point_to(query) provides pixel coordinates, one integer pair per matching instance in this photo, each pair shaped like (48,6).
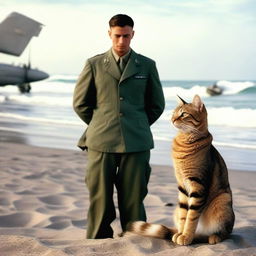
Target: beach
(44,203)
(193,48)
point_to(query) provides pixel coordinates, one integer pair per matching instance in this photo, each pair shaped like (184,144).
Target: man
(118,95)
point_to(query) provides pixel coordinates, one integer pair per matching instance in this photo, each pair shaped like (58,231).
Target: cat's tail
(152,230)
(160,231)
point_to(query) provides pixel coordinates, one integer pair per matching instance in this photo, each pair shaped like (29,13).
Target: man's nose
(121,39)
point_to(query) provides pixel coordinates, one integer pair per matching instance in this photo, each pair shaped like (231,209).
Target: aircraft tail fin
(16,31)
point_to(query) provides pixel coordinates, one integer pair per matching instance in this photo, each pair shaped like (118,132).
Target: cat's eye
(183,114)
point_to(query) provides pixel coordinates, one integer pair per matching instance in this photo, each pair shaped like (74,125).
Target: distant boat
(214,90)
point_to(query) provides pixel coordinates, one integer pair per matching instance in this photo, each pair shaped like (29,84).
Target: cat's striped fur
(204,212)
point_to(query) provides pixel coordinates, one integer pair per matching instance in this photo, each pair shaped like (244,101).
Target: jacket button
(121,98)
(121,114)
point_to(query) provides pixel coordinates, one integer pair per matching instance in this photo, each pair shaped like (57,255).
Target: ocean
(45,117)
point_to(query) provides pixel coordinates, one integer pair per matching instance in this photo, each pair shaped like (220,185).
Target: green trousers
(130,173)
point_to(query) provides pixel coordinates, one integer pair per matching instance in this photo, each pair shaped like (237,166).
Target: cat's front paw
(184,240)
(214,239)
(175,236)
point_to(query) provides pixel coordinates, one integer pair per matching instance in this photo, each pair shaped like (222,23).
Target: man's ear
(133,32)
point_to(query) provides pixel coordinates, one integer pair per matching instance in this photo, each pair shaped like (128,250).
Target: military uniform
(118,109)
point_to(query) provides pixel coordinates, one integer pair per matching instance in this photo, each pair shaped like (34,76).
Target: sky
(189,40)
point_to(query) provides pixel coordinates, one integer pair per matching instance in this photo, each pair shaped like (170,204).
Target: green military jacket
(118,108)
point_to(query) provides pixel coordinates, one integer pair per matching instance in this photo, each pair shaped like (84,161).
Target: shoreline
(159,156)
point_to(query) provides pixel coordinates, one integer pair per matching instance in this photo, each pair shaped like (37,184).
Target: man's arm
(155,101)
(84,98)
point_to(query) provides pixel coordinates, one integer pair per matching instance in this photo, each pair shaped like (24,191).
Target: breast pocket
(139,84)
(134,89)
(140,79)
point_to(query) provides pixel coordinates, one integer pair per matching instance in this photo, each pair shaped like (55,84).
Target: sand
(44,202)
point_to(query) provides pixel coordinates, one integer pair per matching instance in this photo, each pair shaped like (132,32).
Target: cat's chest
(187,147)
(186,173)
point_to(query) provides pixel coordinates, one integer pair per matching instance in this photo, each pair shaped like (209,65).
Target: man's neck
(117,56)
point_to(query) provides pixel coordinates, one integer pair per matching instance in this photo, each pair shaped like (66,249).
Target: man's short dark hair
(121,20)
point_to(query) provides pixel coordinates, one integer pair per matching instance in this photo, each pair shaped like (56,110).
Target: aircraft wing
(16,31)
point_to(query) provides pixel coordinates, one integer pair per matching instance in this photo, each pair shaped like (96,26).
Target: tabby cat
(204,212)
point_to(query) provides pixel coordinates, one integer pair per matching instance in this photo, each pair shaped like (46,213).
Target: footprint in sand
(57,200)
(21,219)
(5,201)
(26,204)
(59,225)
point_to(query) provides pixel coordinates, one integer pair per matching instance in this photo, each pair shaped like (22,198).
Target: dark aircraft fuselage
(15,75)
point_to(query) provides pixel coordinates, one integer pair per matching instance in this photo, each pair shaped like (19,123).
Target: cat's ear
(181,101)
(198,103)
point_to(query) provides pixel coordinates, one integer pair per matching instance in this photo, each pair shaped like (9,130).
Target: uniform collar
(111,67)
(124,57)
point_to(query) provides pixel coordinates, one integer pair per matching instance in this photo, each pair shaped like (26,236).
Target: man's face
(121,38)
